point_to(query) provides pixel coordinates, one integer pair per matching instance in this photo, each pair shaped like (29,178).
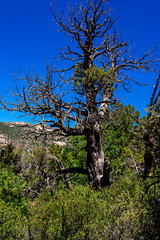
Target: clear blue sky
(28,38)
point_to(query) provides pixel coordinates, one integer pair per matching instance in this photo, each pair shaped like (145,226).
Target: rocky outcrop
(18,133)
(3,140)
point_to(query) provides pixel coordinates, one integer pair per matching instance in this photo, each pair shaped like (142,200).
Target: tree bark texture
(95,155)
(88,25)
(149,159)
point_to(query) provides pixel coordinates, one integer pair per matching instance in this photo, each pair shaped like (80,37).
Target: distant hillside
(12,132)
(18,132)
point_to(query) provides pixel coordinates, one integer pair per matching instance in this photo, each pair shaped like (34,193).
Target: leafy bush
(13,207)
(112,213)
(10,158)
(122,211)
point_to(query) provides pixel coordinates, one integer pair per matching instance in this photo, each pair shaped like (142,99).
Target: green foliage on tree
(10,158)
(151,132)
(34,202)
(72,154)
(102,60)
(98,76)
(121,140)
(128,209)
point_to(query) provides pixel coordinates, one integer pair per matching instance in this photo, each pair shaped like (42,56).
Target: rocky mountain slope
(18,133)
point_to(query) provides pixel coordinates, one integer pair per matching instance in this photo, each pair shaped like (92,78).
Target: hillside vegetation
(10,132)
(21,133)
(35,202)
(90,168)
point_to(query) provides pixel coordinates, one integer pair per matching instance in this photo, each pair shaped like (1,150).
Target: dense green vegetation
(11,133)
(32,208)
(103,180)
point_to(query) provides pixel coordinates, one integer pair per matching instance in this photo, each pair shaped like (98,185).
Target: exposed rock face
(18,133)
(13,124)
(3,140)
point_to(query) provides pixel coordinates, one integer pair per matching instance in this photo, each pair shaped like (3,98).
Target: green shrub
(112,213)
(122,211)
(13,207)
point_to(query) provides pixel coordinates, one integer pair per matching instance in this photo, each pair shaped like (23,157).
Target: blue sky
(28,38)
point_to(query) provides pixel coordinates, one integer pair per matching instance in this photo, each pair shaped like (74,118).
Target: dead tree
(151,132)
(77,105)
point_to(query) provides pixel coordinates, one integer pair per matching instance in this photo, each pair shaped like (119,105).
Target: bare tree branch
(76,105)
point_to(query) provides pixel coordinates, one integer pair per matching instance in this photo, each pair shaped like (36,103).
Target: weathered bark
(98,171)
(151,136)
(149,158)
(89,26)
(95,156)
(106,172)
(149,161)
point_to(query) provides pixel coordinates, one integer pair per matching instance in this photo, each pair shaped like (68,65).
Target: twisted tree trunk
(149,158)
(98,169)
(95,155)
